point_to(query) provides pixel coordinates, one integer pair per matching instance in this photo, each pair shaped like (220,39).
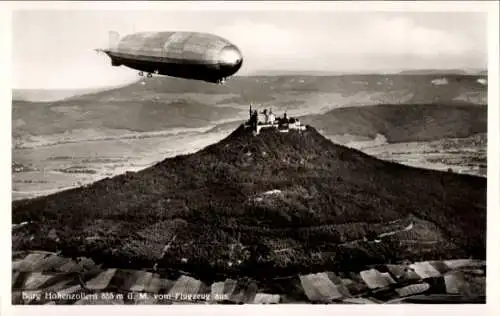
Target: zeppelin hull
(179,54)
(189,69)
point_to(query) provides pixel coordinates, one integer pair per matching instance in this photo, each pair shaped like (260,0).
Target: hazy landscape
(407,118)
(174,200)
(367,184)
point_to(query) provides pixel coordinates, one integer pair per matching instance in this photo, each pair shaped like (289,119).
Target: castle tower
(271,117)
(262,117)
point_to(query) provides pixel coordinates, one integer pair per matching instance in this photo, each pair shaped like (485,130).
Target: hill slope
(404,123)
(268,204)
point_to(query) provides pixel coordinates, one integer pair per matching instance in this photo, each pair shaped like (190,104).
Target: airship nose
(230,57)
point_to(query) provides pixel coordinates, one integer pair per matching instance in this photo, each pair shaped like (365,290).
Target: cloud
(268,38)
(266,45)
(375,36)
(397,36)
(364,42)
(79,72)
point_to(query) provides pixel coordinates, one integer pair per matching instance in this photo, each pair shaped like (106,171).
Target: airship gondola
(190,55)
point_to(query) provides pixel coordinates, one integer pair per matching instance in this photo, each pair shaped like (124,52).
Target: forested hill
(274,202)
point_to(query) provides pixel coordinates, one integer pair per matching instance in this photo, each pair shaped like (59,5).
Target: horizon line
(308,73)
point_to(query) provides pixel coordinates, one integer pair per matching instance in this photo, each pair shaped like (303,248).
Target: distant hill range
(319,73)
(49,95)
(457,107)
(52,95)
(262,206)
(472,71)
(468,71)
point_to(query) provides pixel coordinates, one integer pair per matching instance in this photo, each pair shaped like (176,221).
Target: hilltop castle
(267,119)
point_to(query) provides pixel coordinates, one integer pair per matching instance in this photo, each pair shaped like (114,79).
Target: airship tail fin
(114,38)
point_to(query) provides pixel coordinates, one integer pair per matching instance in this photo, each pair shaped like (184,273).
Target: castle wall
(296,126)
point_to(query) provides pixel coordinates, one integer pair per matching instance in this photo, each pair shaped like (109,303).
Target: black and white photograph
(234,157)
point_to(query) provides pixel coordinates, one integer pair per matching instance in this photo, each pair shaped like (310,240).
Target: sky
(54,49)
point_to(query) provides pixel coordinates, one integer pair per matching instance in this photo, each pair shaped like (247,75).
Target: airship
(189,55)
